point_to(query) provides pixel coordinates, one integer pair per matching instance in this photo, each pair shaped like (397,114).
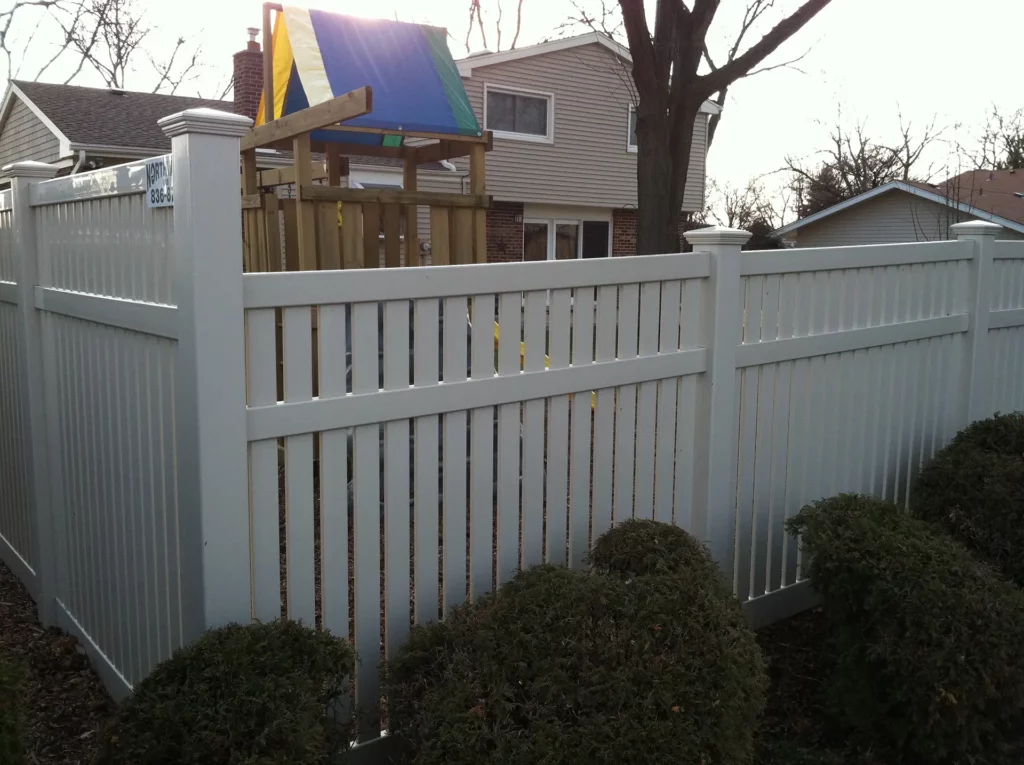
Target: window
(631,130)
(554,239)
(512,114)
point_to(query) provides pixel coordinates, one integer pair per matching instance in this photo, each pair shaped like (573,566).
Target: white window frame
(630,147)
(577,222)
(549,138)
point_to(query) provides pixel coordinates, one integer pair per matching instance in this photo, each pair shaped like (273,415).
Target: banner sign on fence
(160,182)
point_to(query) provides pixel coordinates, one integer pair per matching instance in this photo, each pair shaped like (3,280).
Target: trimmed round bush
(638,547)
(12,722)
(250,694)
(561,667)
(974,488)
(928,638)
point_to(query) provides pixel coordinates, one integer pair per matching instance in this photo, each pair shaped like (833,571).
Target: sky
(931,60)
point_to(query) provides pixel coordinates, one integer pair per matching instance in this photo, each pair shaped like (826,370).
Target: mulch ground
(63,701)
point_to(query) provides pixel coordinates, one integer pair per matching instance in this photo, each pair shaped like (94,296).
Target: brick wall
(504,234)
(624,231)
(248,80)
(624,223)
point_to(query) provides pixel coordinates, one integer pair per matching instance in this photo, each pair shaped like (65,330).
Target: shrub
(927,638)
(11,721)
(249,694)
(639,547)
(561,667)
(973,488)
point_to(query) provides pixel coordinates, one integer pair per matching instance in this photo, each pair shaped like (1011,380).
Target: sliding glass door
(558,239)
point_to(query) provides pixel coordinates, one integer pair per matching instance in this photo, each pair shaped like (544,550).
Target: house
(562,171)
(908,211)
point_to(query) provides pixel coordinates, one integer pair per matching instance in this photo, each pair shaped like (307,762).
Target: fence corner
(714,495)
(210,371)
(982,234)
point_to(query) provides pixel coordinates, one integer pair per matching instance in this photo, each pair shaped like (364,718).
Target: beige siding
(588,163)
(892,217)
(24,137)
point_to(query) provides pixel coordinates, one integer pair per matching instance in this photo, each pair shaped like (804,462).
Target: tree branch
(741,65)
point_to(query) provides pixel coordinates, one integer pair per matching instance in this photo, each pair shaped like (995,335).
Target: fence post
(30,352)
(213,495)
(974,386)
(714,492)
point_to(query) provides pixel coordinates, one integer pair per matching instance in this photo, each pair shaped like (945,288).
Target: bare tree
(476,17)
(751,208)
(753,13)
(110,36)
(1001,146)
(665,70)
(854,163)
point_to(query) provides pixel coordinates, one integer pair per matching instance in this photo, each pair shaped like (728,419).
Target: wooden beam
(412,235)
(478,186)
(280,176)
(306,209)
(335,165)
(448,149)
(440,236)
(371,235)
(483,138)
(344,107)
(252,201)
(394,196)
(268,64)
(392,236)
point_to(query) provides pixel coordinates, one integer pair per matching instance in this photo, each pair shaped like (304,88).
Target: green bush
(975,489)
(11,720)
(561,667)
(249,694)
(928,639)
(638,548)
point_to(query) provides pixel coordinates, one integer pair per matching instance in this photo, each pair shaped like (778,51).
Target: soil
(64,703)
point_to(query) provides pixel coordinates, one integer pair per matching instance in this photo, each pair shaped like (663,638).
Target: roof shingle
(108,118)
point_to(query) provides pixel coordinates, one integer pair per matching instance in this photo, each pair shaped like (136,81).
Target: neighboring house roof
(124,123)
(98,118)
(983,194)
(486,58)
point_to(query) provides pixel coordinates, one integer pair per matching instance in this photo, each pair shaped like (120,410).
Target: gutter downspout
(79,163)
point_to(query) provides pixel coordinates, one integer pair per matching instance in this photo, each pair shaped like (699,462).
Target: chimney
(248,77)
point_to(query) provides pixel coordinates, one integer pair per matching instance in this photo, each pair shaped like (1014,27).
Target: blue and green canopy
(416,86)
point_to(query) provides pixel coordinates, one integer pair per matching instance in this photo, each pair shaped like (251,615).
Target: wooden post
(478,185)
(249,217)
(306,209)
(268,64)
(412,238)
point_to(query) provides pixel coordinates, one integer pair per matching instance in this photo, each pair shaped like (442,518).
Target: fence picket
(558,432)
(454,470)
(604,412)
(481,505)
(625,406)
(509,364)
(647,402)
(534,327)
(580,441)
(426,506)
(667,393)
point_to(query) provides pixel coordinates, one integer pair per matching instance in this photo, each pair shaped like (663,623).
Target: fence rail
(184,445)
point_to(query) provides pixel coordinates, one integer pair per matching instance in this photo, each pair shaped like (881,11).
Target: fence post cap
(975,228)
(205,121)
(29,169)
(717,235)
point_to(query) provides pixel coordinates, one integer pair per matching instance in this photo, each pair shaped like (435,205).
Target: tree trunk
(660,183)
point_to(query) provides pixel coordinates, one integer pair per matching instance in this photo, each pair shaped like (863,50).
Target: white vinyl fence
(184,445)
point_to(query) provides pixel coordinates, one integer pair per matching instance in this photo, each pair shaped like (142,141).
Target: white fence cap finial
(975,228)
(717,235)
(205,121)
(29,169)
